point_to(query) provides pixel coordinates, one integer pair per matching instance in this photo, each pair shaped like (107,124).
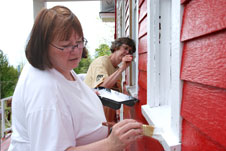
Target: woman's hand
(124,133)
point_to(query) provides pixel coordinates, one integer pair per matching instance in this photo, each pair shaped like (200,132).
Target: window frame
(157,112)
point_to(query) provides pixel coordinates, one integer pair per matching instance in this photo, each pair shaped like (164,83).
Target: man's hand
(126,60)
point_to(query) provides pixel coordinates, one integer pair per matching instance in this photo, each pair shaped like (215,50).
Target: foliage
(85,62)
(102,50)
(8,77)
(83,65)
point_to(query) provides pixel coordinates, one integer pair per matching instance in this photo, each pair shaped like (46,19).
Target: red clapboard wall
(203,71)
(146,143)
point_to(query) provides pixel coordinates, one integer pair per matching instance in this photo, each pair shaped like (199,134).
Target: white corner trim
(159,117)
(132,91)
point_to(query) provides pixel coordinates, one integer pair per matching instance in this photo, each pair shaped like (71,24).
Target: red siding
(184,1)
(204,73)
(198,141)
(208,110)
(142,50)
(143,62)
(143,11)
(143,44)
(143,80)
(141,2)
(142,27)
(204,60)
(203,17)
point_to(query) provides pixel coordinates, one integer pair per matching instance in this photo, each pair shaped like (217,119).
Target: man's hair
(57,23)
(115,45)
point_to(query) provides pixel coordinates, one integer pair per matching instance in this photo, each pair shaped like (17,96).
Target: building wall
(203,71)
(146,143)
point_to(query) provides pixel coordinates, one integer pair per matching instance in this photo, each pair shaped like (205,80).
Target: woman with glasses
(52,109)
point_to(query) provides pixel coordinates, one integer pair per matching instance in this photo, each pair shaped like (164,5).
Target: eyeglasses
(79,45)
(127,48)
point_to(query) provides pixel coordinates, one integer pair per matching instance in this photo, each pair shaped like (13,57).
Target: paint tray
(114,99)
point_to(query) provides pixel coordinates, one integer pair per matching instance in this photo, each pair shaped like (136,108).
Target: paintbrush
(151,131)
(148,130)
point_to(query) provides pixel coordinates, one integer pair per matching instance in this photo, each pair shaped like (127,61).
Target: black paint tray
(114,99)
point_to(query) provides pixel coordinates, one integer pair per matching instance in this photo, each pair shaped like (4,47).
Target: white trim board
(169,141)
(154,112)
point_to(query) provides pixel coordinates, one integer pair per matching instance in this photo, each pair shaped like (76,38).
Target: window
(164,57)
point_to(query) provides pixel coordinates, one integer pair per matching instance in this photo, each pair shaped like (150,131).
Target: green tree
(83,65)
(85,62)
(8,77)
(102,50)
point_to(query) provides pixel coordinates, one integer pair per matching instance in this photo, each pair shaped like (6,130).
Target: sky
(17,20)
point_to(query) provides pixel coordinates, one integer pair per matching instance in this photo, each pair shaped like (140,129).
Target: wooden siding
(198,141)
(143,62)
(204,60)
(142,50)
(142,82)
(203,17)
(142,28)
(203,70)
(142,44)
(184,1)
(204,107)
(143,11)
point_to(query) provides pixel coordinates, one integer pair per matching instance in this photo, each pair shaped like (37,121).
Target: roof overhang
(107,10)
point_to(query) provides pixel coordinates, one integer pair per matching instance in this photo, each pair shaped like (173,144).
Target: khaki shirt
(100,69)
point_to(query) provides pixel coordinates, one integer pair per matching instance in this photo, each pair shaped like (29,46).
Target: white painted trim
(177,47)
(132,91)
(137,46)
(152,111)
(164,52)
(134,36)
(160,118)
(152,48)
(2,111)
(37,6)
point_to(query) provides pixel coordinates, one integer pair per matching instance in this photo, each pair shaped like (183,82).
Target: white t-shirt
(50,113)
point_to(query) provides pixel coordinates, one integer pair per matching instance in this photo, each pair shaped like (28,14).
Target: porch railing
(4,130)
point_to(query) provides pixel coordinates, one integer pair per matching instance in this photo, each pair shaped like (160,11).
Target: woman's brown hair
(50,24)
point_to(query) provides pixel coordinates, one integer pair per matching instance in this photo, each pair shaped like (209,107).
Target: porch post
(37,6)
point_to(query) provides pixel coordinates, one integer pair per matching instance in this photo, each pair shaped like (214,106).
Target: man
(105,72)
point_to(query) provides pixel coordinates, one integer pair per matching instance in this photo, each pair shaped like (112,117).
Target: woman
(52,109)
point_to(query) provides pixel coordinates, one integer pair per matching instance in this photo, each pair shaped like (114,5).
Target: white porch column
(37,6)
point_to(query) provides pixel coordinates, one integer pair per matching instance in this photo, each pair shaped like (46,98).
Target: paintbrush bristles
(148,130)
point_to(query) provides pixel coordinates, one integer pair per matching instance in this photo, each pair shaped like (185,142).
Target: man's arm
(110,81)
